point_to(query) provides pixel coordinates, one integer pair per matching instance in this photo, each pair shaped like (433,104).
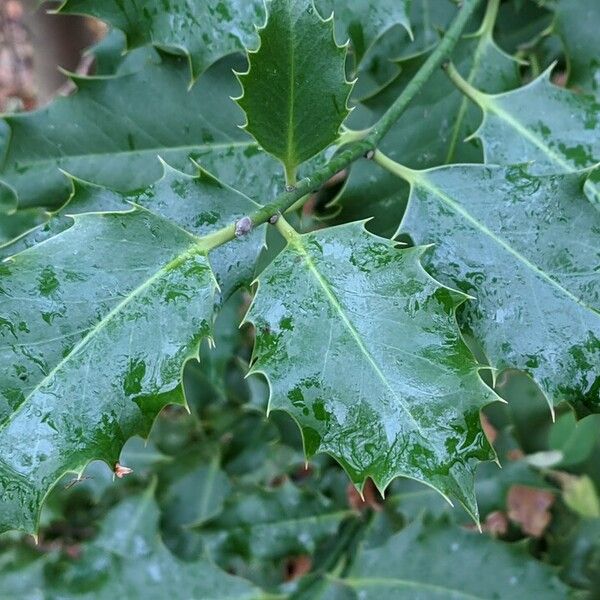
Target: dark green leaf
(365,22)
(101,134)
(126,560)
(199,204)
(397,391)
(204,31)
(18,223)
(198,496)
(295,91)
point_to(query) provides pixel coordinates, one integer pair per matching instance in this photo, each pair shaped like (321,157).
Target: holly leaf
(365,22)
(199,204)
(528,248)
(100,135)
(467,565)
(396,391)
(551,127)
(95,327)
(295,91)
(575,23)
(203,32)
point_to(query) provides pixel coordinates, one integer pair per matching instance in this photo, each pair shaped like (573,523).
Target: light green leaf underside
(95,327)
(467,566)
(528,248)
(112,130)
(127,560)
(199,204)
(364,22)
(295,92)
(577,25)
(555,129)
(431,131)
(396,391)
(202,30)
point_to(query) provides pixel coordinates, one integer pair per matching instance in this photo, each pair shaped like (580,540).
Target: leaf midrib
(324,284)
(422,182)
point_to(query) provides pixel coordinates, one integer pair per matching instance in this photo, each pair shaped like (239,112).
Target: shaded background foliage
(224,488)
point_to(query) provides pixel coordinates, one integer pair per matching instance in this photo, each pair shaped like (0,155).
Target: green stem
(464,86)
(483,36)
(489,20)
(360,148)
(286,230)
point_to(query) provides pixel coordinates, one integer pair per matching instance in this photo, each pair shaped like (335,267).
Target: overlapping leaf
(199,204)
(113,129)
(528,248)
(365,22)
(467,565)
(396,392)
(555,129)
(431,132)
(295,91)
(202,31)
(380,66)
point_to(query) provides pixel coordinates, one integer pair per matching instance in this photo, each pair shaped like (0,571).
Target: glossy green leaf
(364,22)
(203,31)
(198,204)
(295,92)
(528,248)
(101,134)
(397,391)
(577,25)
(431,132)
(555,129)
(435,562)
(95,326)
